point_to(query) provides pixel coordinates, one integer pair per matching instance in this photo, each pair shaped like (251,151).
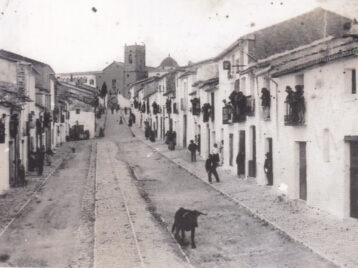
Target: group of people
(296,103)
(36,162)
(115,107)
(170,139)
(149,133)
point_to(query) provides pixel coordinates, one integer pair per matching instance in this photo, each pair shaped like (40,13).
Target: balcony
(232,115)
(295,107)
(195,106)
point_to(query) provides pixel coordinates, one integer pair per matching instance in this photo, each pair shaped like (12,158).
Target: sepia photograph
(179,133)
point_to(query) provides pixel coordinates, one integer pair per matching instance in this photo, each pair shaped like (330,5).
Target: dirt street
(112,203)
(47,231)
(229,236)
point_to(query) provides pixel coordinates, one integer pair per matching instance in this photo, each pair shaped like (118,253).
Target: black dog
(185,220)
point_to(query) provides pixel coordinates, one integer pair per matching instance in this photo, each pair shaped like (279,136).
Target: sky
(87,35)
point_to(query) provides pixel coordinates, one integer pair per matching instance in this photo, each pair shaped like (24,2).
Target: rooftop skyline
(87,35)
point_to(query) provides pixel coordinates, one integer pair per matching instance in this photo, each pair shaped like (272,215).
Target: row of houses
(287,92)
(37,114)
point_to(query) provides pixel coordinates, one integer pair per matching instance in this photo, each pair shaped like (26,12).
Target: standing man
(268,169)
(192,148)
(210,166)
(215,154)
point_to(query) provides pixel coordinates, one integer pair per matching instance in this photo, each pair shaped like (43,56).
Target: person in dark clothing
(266,102)
(210,166)
(192,148)
(40,160)
(174,140)
(268,169)
(117,108)
(21,174)
(112,109)
(147,131)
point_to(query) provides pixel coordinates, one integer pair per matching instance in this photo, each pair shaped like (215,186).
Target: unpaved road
(137,193)
(229,236)
(46,232)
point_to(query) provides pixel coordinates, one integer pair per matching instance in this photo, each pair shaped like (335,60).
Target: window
(78,111)
(114,83)
(130,59)
(91,82)
(351,80)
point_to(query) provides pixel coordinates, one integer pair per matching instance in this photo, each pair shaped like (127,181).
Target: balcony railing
(195,106)
(232,115)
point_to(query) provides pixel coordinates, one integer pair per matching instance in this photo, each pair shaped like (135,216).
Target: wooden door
(354,179)
(242,153)
(303,170)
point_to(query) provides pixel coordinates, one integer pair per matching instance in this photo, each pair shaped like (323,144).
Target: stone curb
(252,212)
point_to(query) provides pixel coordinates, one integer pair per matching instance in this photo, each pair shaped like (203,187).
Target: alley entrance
(242,154)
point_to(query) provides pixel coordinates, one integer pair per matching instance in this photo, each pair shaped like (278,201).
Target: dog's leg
(193,237)
(173,227)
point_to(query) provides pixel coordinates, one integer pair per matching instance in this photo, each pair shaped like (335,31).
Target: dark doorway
(354,179)
(184,130)
(270,156)
(242,154)
(252,162)
(171,124)
(212,106)
(303,170)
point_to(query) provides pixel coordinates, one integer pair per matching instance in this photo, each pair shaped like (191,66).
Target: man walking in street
(210,166)
(192,148)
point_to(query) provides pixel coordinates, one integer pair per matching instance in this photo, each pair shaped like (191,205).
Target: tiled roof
(319,54)
(289,34)
(210,82)
(15,56)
